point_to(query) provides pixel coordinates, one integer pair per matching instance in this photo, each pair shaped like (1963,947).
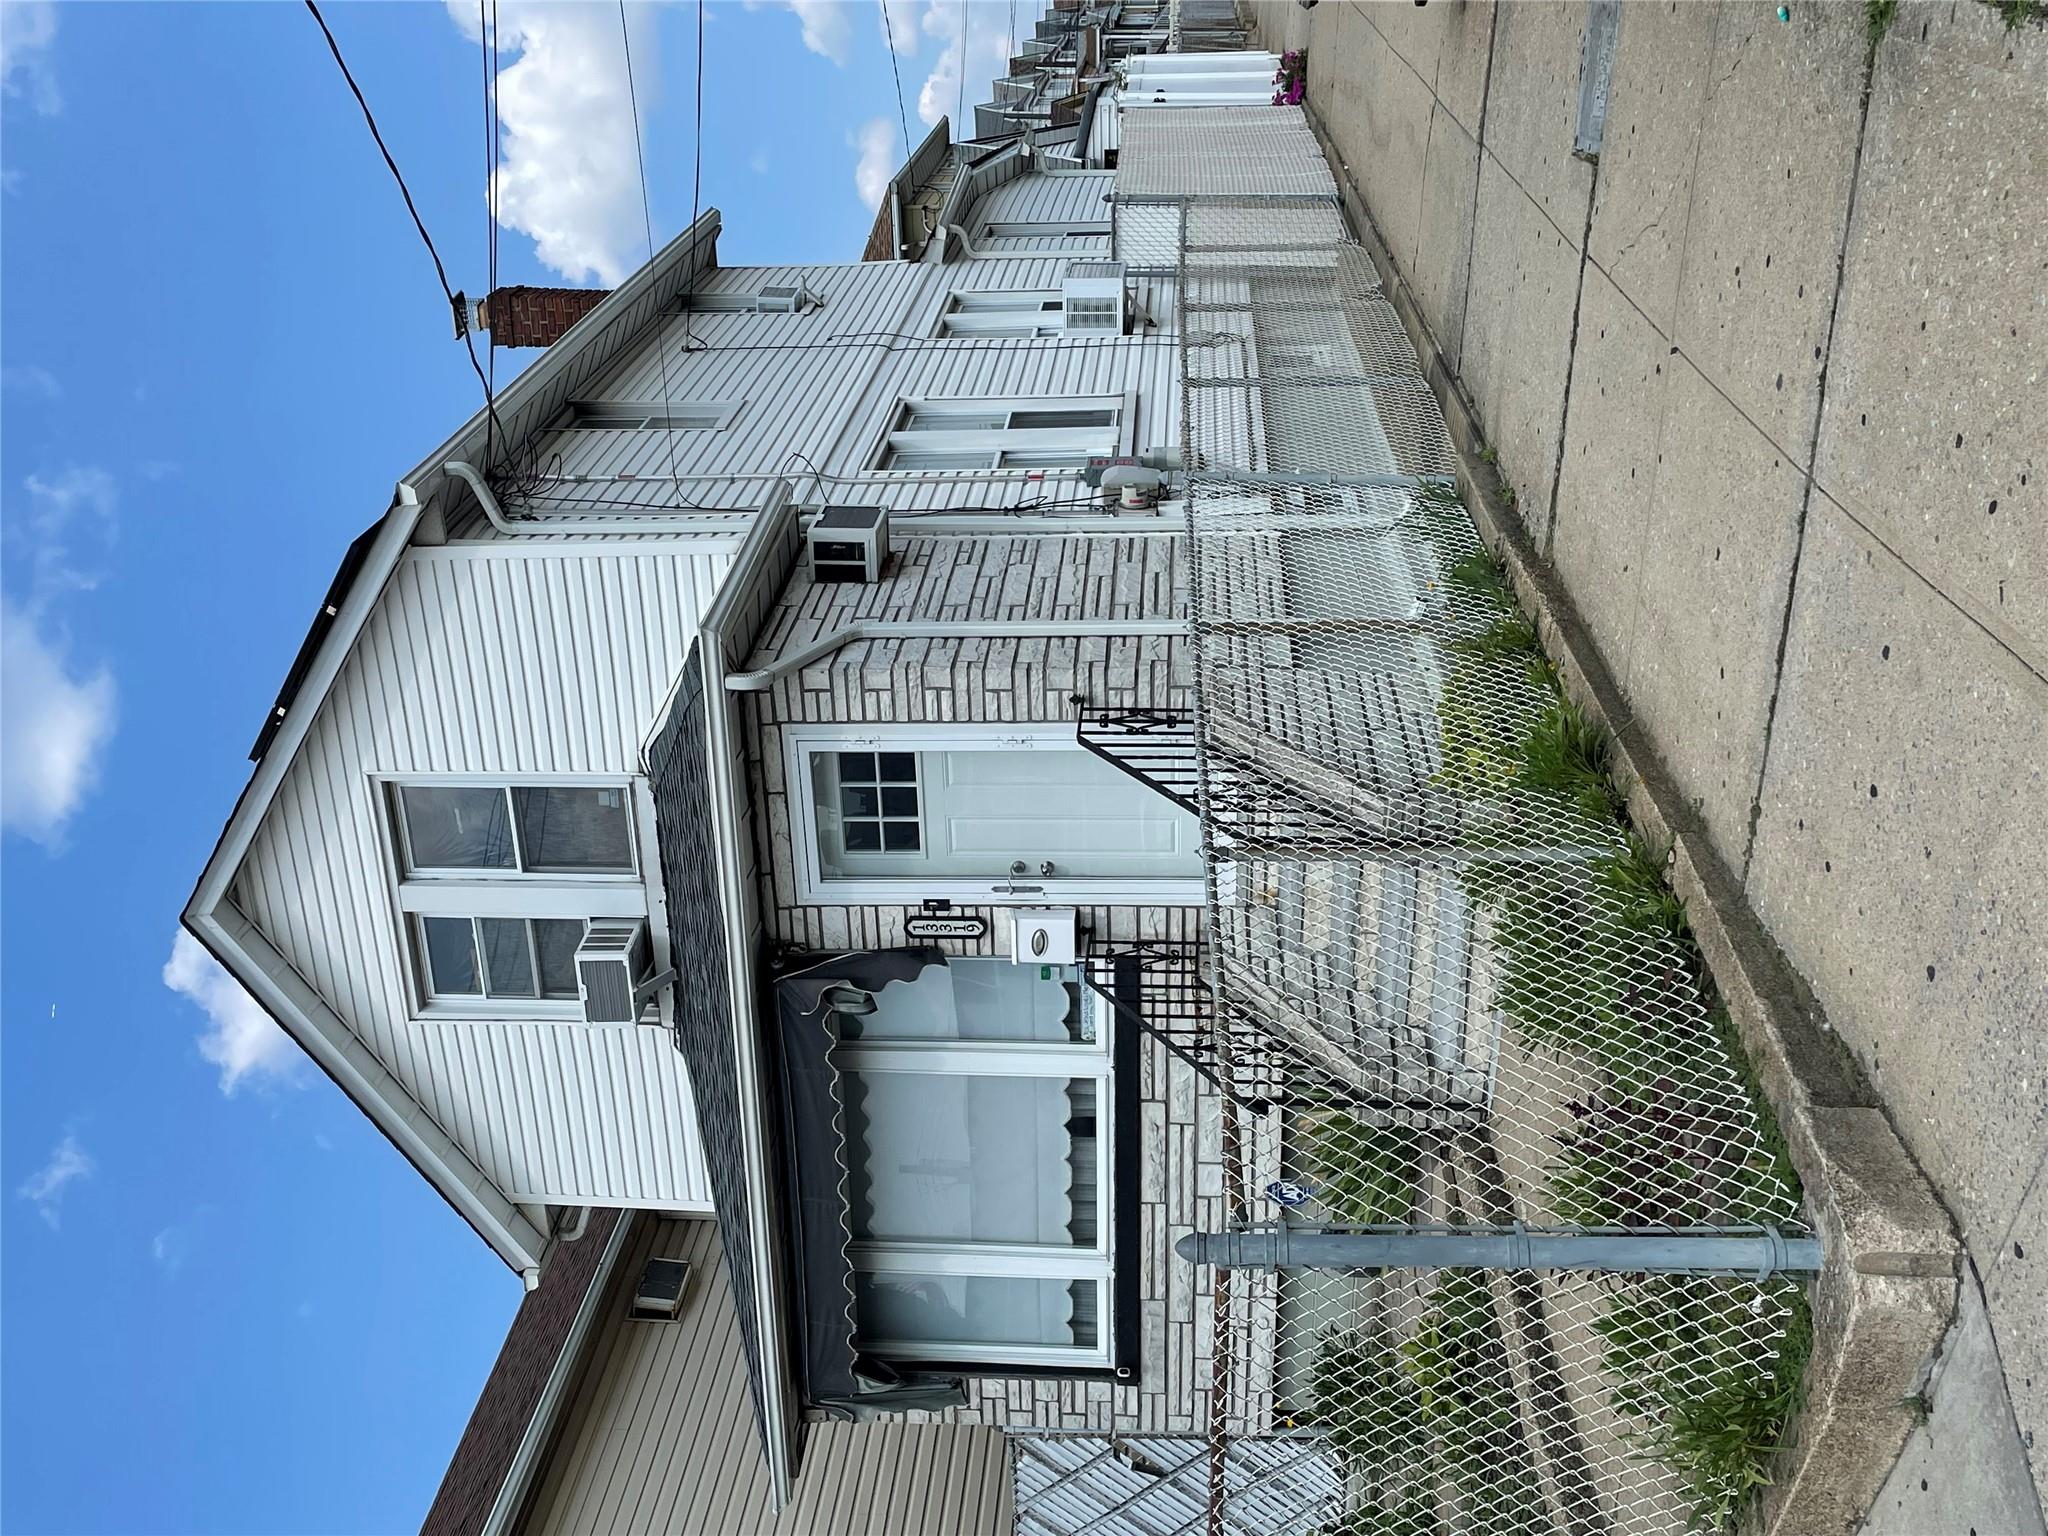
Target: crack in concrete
(1820,402)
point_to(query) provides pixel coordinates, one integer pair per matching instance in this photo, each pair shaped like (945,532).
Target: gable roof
(524,407)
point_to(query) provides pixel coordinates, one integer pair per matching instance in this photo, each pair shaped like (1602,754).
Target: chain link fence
(1451,990)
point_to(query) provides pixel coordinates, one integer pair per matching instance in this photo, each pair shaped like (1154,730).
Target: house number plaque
(946,925)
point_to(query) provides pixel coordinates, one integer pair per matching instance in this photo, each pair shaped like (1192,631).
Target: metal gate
(1452,994)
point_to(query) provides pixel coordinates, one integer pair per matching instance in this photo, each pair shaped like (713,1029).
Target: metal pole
(1758,1251)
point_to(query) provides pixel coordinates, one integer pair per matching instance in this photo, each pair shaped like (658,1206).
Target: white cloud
(27,29)
(239,1038)
(877,145)
(69,1162)
(828,31)
(568,175)
(54,723)
(63,507)
(988,55)
(170,1249)
(32,380)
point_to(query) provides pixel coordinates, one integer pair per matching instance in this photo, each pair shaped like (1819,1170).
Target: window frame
(1091,1059)
(814,888)
(986,447)
(723,411)
(1044,229)
(1037,312)
(510,893)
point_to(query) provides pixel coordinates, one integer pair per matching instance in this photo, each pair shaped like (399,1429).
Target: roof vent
(783,300)
(658,1298)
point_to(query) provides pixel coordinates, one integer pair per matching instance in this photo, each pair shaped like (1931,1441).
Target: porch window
(1055,432)
(977,1109)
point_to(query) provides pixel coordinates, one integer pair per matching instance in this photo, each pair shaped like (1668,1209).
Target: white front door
(977,817)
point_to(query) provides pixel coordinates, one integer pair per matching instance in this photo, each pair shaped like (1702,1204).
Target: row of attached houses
(722,827)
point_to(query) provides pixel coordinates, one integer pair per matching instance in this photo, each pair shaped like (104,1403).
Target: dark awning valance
(810,1003)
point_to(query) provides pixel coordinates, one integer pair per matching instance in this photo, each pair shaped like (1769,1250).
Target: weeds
(1365,1175)
(1634,879)
(1718,1433)
(1878,16)
(1566,752)
(2017,13)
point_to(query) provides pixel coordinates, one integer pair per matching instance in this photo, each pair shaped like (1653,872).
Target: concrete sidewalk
(1770,381)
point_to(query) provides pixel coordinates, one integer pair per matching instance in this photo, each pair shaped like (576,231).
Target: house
(743,787)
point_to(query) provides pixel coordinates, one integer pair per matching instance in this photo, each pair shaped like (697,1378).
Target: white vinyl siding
(502,663)
(1048,433)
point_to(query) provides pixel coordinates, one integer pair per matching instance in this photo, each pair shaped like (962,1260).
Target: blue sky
(228,1304)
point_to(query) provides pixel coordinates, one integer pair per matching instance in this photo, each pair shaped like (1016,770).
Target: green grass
(1365,1175)
(2016,13)
(1878,16)
(1719,1430)
(1632,878)
(1566,753)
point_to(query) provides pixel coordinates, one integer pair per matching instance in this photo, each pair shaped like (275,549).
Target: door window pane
(508,961)
(967,1158)
(556,939)
(450,944)
(450,826)
(574,828)
(976,1309)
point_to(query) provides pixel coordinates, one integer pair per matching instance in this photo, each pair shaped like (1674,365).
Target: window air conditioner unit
(849,544)
(1044,935)
(781,300)
(659,1295)
(1092,296)
(615,971)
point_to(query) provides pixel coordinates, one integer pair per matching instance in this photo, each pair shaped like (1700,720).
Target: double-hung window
(978,1112)
(1003,312)
(1055,432)
(497,882)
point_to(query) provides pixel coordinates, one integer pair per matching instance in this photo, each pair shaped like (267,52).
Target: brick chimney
(533,317)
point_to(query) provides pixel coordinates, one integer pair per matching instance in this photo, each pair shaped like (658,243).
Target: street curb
(1887,1291)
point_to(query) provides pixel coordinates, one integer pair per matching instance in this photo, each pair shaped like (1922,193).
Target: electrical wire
(376,134)
(896,69)
(487,51)
(960,99)
(647,221)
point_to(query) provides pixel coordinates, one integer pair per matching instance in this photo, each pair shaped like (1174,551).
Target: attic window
(658,1298)
(775,298)
(636,416)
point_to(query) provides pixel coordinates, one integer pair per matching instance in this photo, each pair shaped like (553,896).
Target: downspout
(961,629)
(1088,119)
(578,1224)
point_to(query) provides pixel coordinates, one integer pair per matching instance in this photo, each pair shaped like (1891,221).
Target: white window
(1050,433)
(978,1111)
(990,814)
(1003,312)
(649,416)
(496,883)
(1045,229)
